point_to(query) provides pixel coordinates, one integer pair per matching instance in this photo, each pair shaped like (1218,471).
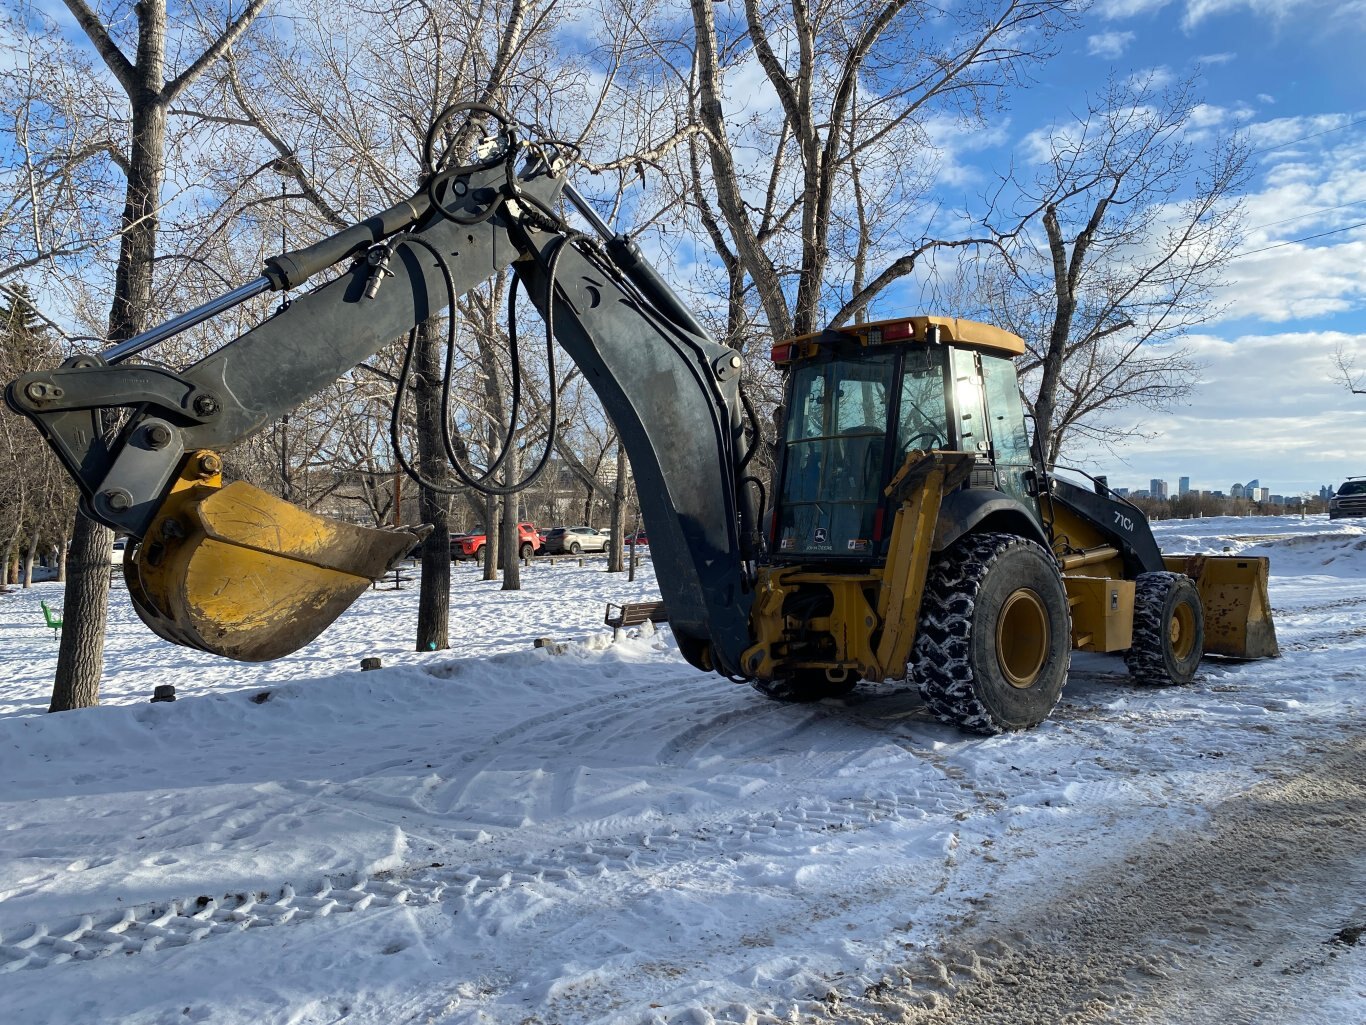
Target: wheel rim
(1022,638)
(1181,631)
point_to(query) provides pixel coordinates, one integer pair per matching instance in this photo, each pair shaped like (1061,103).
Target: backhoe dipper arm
(673,394)
(671,391)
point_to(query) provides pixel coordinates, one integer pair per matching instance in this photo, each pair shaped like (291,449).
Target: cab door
(969,408)
(1005,419)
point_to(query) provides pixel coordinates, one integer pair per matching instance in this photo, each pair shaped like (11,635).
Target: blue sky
(1291,74)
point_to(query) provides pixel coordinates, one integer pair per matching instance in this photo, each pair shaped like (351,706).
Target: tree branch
(216,50)
(105,46)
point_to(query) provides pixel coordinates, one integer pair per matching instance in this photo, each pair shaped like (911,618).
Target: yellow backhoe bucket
(240,573)
(1237,609)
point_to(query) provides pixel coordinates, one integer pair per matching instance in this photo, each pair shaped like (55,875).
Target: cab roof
(903,330)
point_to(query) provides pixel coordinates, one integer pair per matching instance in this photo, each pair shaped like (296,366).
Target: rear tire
(526,550)
(994,639)
(1169,630)
(575,548)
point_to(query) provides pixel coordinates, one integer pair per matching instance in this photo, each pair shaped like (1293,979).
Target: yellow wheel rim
(1181,631)
(1022,638)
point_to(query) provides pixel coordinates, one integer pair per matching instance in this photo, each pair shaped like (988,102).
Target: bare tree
(1134,227)
(777,219)
(62,139)
(150,93)
(344,118)
(1345,372)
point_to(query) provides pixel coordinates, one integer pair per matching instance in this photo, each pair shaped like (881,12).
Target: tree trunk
(80,659)
(63,548)
(1064,308)
(434,599)
(614,561)
(491,521)
(82,651)
(509,536)
(30,554)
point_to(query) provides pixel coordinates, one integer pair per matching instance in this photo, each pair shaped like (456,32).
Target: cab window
(833,457)
(922,422)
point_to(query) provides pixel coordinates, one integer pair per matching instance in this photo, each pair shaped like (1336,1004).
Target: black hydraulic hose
(552,268)
(434,163)
(754,425)
(506,445)
(462,472)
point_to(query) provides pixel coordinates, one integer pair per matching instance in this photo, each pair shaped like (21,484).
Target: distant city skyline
(1160,487)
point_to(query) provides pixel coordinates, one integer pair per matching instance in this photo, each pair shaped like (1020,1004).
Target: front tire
(1169,630)
(994,639)
(526,550)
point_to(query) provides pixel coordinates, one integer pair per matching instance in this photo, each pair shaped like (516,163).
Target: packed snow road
(501,835)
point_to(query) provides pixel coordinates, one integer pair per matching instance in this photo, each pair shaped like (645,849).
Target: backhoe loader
(910,531)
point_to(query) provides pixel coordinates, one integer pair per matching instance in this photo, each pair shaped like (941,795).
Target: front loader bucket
(1237,609)
(239,573)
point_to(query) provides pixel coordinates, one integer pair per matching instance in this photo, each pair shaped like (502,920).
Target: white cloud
(1266,99)
(1113,10)
(1265,406)
(1275,10)
(1211,59)
(1038,147)
(1108,44)
(1205,115)
(1298,282)
(1155,79)
(950,140)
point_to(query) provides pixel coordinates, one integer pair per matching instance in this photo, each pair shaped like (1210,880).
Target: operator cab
(860,399)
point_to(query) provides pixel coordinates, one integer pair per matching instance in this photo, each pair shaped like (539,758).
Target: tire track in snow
(468,889)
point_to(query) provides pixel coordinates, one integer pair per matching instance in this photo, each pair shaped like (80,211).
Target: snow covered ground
(496,834)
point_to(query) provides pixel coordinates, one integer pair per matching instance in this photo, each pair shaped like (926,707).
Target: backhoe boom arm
(670,389)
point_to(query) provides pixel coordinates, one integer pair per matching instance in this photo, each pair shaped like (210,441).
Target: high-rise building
(1183,486)
(1157,489)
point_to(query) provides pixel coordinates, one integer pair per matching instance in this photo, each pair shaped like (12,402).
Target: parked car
(1349,501)
(471,545)
(639,537)
(575,540)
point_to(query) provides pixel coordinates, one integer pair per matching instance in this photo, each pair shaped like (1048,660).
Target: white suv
(576,539)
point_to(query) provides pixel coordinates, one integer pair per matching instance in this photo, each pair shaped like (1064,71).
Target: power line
(1315,135)
(1307,213)
(1294,241)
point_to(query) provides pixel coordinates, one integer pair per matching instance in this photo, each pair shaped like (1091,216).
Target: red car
(471,546)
